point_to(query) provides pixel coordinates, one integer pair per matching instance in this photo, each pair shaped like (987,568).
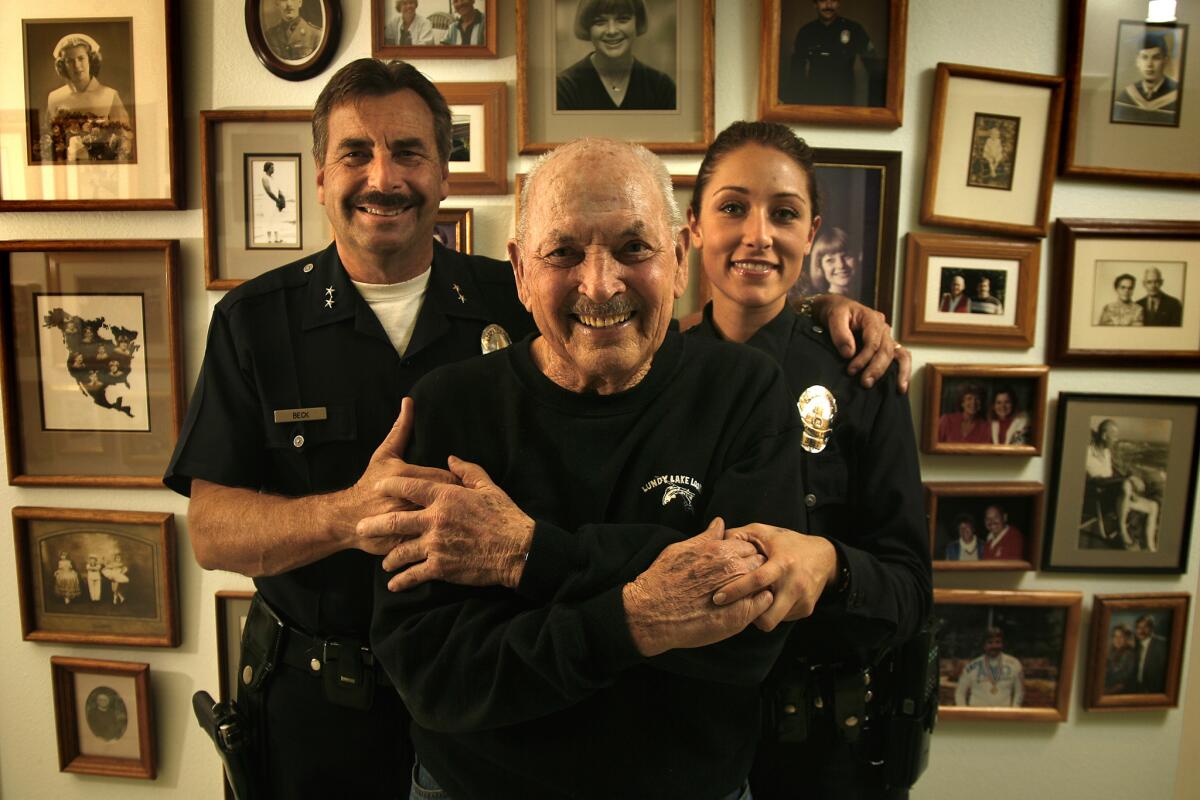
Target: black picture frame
(313,51)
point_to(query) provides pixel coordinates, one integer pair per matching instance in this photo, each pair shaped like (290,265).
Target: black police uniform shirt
(301,337)
(540,691)
(823,59)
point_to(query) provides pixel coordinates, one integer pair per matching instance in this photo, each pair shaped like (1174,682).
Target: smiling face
(966,532)
(1151,62)
(1119,642)
(79,67)
(612,34)
(1002,406)
(465,8)
(985,287)
(958,285)
(993,519)
(970,404)
(1125,290)
(838,269)
(1144,629)
(408,10)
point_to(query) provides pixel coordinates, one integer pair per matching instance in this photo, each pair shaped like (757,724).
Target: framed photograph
(103,717)
(1136,653)
(644,75)
(1132,293)
(294,39)
(272,222)
(1006,655)
(1123,486)
(988,526)
(479,151)
(1129,81)
(820,66)
(407,29)
(970,291)
(89,343)
(96,577)
(455,228)
(972,409)
(115,148)
(993,148)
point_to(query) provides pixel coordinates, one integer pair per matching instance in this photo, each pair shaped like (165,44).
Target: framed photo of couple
(972,409)
(1136,653)
(408,29)
(985,526)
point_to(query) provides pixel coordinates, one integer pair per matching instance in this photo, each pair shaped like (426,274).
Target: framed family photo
(1122,489)
(1136,653)
(455,228)
(104,718)
(993,147)
(96,577)
(1132,293)
(984,410)
(971,291)
(1132,85)
(828,62)
(89,341)
(479,137)
(639,70)
(984,526)
(408,29)
(94,109)
(294,39)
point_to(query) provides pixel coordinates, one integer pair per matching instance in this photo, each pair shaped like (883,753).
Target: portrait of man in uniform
(292,28)
(1148,74)
(834,60)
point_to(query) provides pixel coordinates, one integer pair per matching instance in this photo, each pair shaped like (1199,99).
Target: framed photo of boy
(294,39)
(1131,290)
(818,65)
(479,137)
(993,147)
(972,409)
(984,526)
(103,717)
(1132,89)
(96,577)
(89,341)
(970,290)
(409,29)
(1122,490)
(638,70)
(97,92)
(1006,655)
(1136,653)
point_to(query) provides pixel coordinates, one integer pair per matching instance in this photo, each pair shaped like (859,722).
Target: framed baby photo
(89,343)
(479,137)
(1122,490)
(1132,293)
(972,409)
(408,29)
(1132,86)
(90,92)
(993,149)
(984,526)
(970,291)
(1136,653)
(636,70)
(1006,655)
(104,718)
(96,577)
(295,40)
(831,63)
(455,228)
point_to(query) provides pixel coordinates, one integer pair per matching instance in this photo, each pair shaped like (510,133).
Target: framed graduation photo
(104,717)
(1135,658)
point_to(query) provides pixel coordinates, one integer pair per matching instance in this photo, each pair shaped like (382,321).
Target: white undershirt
(396,305)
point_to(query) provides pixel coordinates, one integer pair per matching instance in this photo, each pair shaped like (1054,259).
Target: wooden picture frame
(479,116)
(98,733)
(297,49)
(785,96)
(1154,144)
(680,49)
(1122,456)
(1126,681)
(1004,317)
(1013,508)
(1094,260)
(946,389)
(96,577)
(120,154)
(430,31)
(1042,628)
(100,402)
(993,147)
(455,228)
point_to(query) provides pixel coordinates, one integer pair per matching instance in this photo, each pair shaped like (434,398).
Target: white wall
(1088,757)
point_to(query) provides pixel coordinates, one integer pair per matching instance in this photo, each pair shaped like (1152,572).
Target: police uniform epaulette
(286,277)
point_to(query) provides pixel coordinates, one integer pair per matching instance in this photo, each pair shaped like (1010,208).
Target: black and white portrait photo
(1139,293)
(106,714)
(98,574)
(833,52)
(1126,473)
(617,55)
(964,290)
(993,151)
(272,182)
(292,28)
(79,91)
(1148,73)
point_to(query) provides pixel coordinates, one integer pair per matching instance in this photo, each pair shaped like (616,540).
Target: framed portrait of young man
(413,29)
(972,409)
(1135,658)
(104,717)
(294,39)
(984,526)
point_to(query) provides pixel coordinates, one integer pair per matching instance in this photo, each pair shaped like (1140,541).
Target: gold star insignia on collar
(329,291)
(458,292)
(329,302)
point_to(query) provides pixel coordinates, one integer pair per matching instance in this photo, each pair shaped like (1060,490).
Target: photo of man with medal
(993,679)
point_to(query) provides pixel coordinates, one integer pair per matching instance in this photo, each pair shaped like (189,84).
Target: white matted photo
(972,291)
(467,139)
(273,200)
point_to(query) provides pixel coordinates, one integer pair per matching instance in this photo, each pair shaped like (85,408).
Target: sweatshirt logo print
(683,488)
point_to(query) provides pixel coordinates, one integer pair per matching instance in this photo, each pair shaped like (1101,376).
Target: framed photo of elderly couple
(984,527)
(972,409)
(638,70)
(408,29)
(91,107)
(1131,290)
(1122,491)
(1135,658)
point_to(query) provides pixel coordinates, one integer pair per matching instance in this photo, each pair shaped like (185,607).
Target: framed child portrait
(984,410)
(1135,658)
(104,717)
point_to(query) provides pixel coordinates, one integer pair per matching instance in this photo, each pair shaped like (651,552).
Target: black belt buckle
(261,640)
(348,673)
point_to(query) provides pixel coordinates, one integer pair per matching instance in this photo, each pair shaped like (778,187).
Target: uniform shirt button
(314,664)
(247,674)
(298,441)
(308,267)
(818,329)
(810,500)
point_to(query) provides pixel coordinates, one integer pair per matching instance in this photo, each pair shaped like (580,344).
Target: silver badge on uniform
(493,338)
(845,37)
(817,408)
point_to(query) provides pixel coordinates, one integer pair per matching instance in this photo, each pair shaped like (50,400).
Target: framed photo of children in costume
(1135,658)
(104,717)
(294,39)
(96,577)
(1122,487)
(90,347)
(984,526)
(408,29)
(99,111)
(971,409)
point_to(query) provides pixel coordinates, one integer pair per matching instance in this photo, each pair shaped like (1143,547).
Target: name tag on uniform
(300,414)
